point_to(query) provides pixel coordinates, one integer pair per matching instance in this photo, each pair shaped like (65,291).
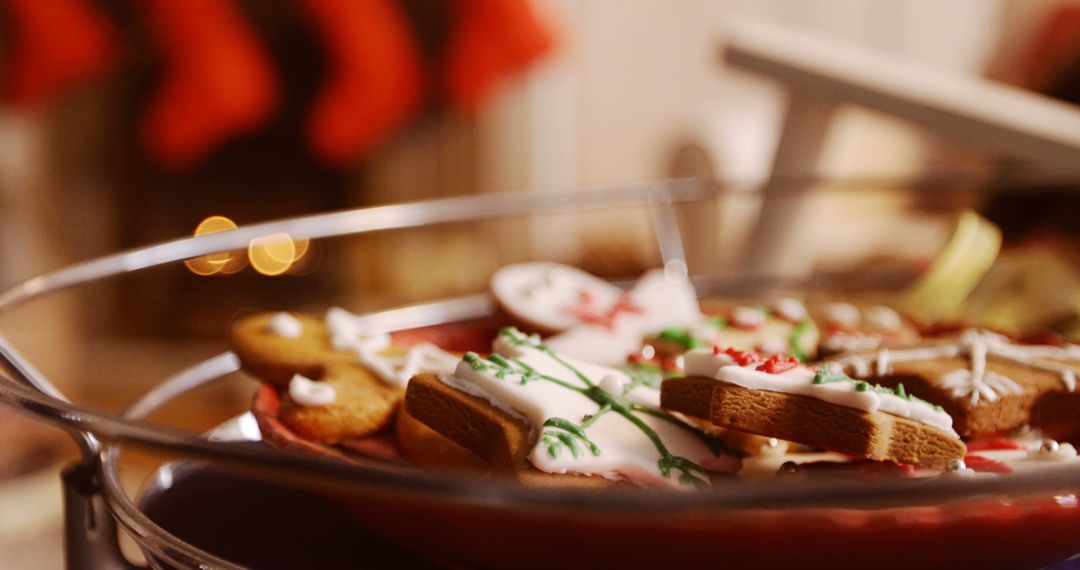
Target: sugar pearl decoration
(1050,450)
(956,465)
(612,384)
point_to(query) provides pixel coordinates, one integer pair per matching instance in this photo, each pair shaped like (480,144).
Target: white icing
(748,317)
(426,357)
(625,451)
(790,310)
(396,370)
(882,319)
(665,302)
(642,395)
(595,344)
(346,333)
(308,393)
(1064,452)
(661,302)
(285,325)
(844,315)
(975,382)
(800,380)
(545,293)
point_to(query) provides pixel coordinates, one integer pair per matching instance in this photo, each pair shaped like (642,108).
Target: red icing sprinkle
(991,443)
(588,314)
(741,357)
(835,328)
(671,365)
(985,465)
(778,364)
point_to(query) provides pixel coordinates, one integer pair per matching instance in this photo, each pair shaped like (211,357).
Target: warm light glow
(223,262)
(308,255)
(272,254)
(301,245)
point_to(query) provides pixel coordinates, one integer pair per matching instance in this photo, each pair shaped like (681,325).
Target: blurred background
(127,122)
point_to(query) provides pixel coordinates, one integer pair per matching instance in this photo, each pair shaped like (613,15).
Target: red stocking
(218,79)
(56,43)
(375,84)
(1054,45)
(490,40)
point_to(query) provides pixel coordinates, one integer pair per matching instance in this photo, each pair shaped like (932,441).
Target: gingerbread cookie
(780,398)
(847,327)
(338,383)
(549,297)
(593,320)
(782,327)
(987,382)
(427,448)
(526,409)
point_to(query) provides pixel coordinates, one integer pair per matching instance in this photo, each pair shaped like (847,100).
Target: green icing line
(795,340)
(567,435)
(682,337)
(823,376)
(474,360)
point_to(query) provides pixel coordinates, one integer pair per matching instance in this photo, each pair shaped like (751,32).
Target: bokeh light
(222,262)
(272,254)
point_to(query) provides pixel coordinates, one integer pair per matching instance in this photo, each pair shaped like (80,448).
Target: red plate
(987,532)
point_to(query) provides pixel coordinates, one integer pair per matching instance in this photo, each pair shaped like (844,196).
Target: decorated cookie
(337,382)
(425,447)
(550,297)
(778,397)
(846,327)
(782,328)
(346,402)
(659,301)
(527,408)
(593,320)
(987,382)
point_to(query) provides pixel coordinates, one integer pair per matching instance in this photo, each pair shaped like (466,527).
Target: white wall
(633,77)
